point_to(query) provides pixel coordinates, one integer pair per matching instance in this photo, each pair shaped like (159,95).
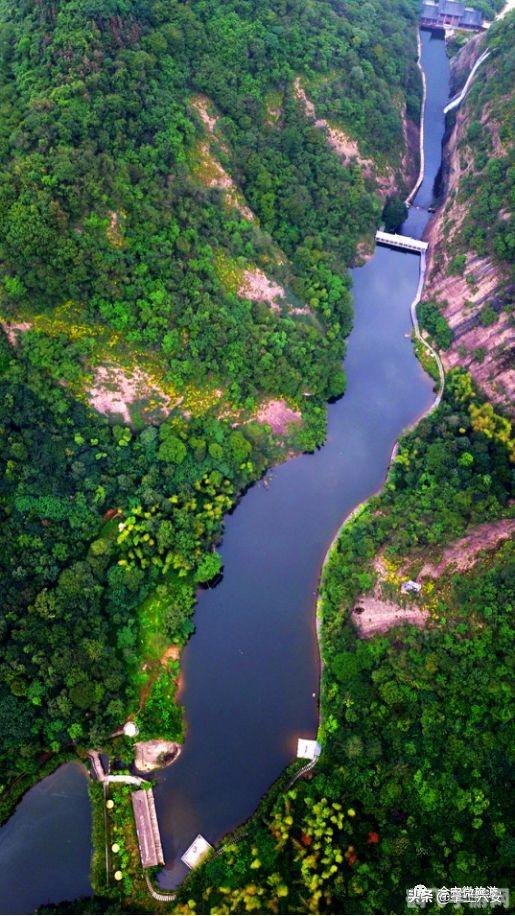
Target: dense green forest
(121,254)
(413,783)
(488,146)
(151,153)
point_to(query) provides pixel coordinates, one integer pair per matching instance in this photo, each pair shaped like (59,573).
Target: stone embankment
(99,773)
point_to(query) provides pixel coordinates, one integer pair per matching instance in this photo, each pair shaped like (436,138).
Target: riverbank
(471,285)
(265,599)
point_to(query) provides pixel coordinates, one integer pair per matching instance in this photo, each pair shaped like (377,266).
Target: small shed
(307,749)
(196,852)
(410,586)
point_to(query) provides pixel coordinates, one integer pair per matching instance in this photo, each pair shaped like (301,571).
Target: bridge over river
(400,241)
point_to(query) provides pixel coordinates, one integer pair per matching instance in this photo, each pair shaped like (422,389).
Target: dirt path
(372,616)
(463,554)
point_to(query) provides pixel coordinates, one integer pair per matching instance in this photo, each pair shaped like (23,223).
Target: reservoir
(45,847)
(250,673)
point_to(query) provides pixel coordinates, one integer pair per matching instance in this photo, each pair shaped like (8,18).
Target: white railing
(458,99)
(400,241)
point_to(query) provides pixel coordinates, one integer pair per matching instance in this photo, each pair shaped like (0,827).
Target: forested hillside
(413,784)
(175,230)
(471,275)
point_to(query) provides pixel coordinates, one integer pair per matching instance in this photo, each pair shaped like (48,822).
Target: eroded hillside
(470,276)
(175,234)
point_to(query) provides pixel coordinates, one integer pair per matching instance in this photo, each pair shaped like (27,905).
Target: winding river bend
(250,674)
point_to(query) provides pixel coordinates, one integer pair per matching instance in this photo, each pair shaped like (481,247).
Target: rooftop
(440,11)
(196,852)
(308,750)
(147,828)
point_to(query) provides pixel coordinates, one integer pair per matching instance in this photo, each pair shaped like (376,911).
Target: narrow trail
(458,99)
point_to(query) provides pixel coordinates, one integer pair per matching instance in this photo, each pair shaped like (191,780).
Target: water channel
(250,673)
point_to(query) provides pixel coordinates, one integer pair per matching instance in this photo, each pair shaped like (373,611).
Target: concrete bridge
(405,242)
(458,99)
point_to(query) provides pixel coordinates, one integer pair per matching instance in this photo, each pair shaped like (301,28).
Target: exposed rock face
(116,390)
(152,755)
(345,147)
(278,416)
(258,287)
(464,553)
(486,351)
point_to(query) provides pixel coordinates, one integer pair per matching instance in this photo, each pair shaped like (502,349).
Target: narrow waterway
(250,673)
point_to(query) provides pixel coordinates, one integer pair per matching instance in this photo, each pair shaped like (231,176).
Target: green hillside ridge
(112,290)
(470,280)
(413,783)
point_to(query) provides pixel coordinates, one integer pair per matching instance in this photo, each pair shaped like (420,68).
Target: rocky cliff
(469,274)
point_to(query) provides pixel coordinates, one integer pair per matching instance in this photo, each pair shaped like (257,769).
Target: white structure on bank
(405,242)
(130,730)
(308,750)
(410,586)
(196,852)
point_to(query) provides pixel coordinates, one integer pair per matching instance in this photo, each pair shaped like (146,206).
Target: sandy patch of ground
(371,616)
(151,755)
(14,328)
(173,653)
(463,554)
(115,390)
(344,146)
(213,175)
(277,415)
(257,287)
(200,104)
(114,231)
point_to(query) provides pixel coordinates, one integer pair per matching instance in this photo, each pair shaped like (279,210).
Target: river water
(45,847)
(250,673)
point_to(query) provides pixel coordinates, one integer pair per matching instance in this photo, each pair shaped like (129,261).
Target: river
(250,673)
(45,847)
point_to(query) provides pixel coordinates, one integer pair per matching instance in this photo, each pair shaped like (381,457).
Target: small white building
(410,586)
(196,852)
(308,750)
(130,729)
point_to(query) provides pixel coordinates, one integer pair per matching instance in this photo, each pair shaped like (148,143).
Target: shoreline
(361,507)
(421,129)
(317,622)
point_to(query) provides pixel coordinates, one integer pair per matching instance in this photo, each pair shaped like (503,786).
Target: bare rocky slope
(469,274)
